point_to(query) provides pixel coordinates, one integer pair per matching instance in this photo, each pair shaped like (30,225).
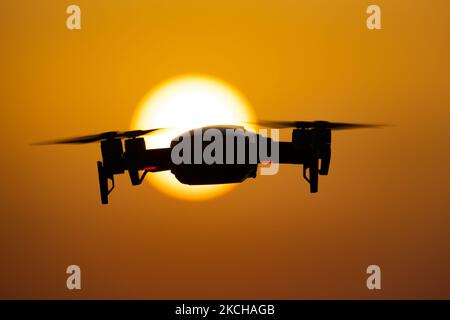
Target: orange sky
(385,201)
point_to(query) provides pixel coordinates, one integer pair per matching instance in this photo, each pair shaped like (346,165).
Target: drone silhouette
(126,151)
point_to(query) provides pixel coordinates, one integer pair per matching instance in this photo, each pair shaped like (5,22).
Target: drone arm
(301,151)
(148,160)
(157,159)
(289,154)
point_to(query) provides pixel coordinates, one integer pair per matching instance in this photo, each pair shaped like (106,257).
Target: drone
(123,151)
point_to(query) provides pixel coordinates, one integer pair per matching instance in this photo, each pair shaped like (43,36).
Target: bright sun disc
(185,103)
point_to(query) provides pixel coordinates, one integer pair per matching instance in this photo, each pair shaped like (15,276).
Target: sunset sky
(385,202)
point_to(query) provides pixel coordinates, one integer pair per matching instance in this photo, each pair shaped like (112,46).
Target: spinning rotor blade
(315,125)
(100,137)
(136,133)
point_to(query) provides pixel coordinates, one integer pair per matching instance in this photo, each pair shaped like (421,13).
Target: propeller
(315,125)
(99,137)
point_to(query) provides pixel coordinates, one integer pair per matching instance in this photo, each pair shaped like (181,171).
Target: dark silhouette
(310,147)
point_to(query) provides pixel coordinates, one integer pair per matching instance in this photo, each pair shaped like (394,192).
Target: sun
(181,104)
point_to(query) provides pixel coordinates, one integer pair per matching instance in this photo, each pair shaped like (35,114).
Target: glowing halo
(183,103)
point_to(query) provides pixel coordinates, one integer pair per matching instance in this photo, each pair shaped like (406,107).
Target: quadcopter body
(235,157)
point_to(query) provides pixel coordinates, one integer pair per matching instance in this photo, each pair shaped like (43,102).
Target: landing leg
(314,176)
(313,168)
(103,183)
